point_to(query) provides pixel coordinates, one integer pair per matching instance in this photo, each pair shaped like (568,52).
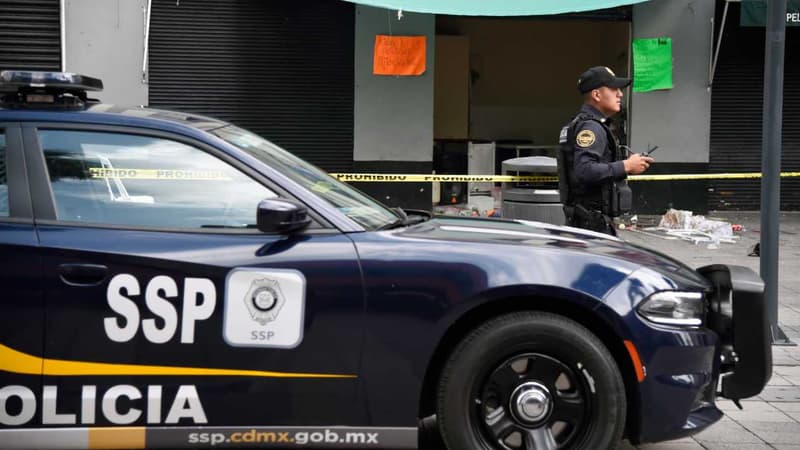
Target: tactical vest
(614,197)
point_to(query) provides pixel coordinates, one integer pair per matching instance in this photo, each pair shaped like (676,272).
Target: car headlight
(674,308)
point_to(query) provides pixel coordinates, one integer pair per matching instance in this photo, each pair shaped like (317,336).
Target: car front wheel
(531,380)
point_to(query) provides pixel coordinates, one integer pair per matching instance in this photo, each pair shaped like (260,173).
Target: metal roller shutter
(736,116)
(30,35)
(283,69)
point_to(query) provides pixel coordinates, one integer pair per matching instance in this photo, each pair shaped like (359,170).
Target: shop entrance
(504,87)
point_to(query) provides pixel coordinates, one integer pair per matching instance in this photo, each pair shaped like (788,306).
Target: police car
(172,281)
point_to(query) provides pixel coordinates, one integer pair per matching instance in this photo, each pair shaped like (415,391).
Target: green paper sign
(754,13)
(652,64)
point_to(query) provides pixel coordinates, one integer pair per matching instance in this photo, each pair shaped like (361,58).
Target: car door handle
(82,274)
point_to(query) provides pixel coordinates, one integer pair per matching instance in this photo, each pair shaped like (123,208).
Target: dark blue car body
(383,309)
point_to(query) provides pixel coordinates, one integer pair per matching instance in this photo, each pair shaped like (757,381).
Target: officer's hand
(636,164)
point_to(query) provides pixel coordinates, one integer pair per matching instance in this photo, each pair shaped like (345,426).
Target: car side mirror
(279,215)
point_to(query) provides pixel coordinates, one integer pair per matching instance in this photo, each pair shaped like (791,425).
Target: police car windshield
(367,212)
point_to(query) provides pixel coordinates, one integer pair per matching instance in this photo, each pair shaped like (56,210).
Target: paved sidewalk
(772,419)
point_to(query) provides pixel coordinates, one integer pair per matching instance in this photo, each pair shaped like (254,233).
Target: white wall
(677,120)
(105,39)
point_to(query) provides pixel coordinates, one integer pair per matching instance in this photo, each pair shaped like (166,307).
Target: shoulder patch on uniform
(585,138)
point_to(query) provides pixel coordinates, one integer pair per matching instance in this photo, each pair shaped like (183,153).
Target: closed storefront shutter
(30,35)
(281,68)
(736,116)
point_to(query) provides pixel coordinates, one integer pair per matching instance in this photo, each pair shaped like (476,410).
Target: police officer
(592,172)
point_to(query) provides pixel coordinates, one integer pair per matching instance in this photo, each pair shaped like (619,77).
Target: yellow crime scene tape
(178,174)
(416,178)
(157,174)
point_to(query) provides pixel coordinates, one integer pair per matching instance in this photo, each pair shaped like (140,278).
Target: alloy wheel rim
(532,401)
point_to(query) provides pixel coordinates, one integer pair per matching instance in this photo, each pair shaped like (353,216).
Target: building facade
(301,74)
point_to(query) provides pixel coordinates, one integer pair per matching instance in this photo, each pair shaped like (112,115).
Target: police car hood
(522,233)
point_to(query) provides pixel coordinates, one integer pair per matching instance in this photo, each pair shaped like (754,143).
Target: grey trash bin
(532,200)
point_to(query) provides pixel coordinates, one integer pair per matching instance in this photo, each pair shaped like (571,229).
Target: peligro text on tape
(377,177)
(157,174)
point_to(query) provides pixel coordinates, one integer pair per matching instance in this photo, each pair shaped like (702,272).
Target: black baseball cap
(600,76)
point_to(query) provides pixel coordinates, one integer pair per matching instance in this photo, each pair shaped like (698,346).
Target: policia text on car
(592,171)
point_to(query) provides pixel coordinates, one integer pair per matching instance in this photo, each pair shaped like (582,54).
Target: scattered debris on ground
(684,225)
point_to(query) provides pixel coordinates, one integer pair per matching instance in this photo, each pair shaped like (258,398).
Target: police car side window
(3,178)
(132,180)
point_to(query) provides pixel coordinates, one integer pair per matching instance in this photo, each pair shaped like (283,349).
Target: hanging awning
(496,8)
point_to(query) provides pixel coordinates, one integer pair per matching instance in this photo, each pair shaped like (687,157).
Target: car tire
(531,380)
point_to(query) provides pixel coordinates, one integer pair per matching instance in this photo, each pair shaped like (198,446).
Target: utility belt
(615,199)
(581,212)
(580,216)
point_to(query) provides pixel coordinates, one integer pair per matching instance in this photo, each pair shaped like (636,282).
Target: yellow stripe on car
(17,362)
(117,437)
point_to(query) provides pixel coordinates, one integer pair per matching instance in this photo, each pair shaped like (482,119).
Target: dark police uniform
(589,160)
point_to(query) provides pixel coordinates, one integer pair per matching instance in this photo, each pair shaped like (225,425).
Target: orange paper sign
(399,55)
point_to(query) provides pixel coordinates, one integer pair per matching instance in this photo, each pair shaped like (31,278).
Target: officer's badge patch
(264,308)
(585,138)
